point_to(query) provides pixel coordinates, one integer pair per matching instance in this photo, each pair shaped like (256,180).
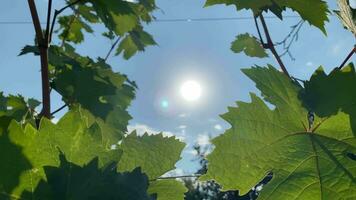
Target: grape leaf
(347,15)
(155,154)
(249,45)
(70,181)
(306,162)
(133,42)
(94,86)
(167,189)
(72,27)
(327,94)
(17,108)
(13,164)
(73,135)
(313,11)
(121,18)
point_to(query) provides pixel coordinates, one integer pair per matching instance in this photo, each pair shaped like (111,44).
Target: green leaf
(17,108)
(136,40)
(13,164)
(326,94)
(167,189)
(155,154)
(29,49)
(306,162)
(94,86)
(313,11)
(72,27)
(249,45)
(70,181)
(73,135)
(81,141)
(121,18)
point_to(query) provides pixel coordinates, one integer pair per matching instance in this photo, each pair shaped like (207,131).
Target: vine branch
(43,47)
(258,30)
(353,51)
(270,45)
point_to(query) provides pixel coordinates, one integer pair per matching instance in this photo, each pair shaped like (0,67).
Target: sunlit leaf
(308,158)
(249,45)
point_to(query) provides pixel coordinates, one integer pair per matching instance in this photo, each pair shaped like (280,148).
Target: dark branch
(36,21)
(43,47)
(258,30)
(49,11)
(270,46)
(112,48)
(59,109)
(353,51)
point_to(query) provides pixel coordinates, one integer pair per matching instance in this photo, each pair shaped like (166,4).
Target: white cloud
(142,129)
(309,64)
(191,152)
(132,1)
(218,127)
(182,127)
(183,115)
(336,49)
(203,140)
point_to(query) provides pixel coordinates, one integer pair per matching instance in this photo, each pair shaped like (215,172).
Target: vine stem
(43,47)
(270,45)
(59,109)
(353,51)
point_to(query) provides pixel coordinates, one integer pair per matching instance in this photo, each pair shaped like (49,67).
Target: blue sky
(197,50)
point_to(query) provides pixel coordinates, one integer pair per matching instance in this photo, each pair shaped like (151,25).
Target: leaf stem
(353,51)
(174,177)
(112,48)
(59,109)
(270,45)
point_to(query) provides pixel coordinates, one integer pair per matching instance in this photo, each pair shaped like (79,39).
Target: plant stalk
(270,46)
(43,48)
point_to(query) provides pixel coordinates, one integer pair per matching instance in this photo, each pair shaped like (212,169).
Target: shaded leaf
(167,189)
(70,181)
(326,94)
(94,86)
(78,140)
(134,42)
(71,28)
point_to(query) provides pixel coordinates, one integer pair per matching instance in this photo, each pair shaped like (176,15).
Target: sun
(191,90)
